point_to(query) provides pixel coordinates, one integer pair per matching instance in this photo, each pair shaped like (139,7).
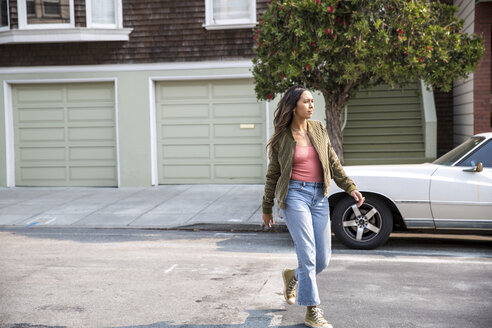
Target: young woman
(302,164)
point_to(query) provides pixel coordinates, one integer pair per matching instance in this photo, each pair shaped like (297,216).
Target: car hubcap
(362,223)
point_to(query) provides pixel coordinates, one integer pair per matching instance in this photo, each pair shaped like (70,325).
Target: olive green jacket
(280,166)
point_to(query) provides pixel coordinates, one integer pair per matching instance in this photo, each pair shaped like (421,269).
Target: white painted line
(171,268)
(48,222)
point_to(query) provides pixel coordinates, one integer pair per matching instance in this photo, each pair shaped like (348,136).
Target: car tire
(366,227)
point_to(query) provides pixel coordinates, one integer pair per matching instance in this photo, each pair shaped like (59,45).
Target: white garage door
(210,132)
(65,135)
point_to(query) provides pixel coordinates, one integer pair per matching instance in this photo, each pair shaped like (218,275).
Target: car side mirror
(477,168)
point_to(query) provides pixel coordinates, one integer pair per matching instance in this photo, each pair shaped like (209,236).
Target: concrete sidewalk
(219,207)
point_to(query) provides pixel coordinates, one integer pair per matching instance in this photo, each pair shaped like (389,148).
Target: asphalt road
(151,278)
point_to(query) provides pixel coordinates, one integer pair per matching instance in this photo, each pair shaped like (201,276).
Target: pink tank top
(306,166)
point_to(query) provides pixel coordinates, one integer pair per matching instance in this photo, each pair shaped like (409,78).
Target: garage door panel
(53,173)
(38,94)
(183,90)
(192,111)
(87,114)
(92,173)
(29,115)
(246,110)
(233,89)
(86,133)
(179,171)
(235,131)
(65,135)
(185,151)
(238,171)
(238,151)
(92,154)
(78,93)
(42,154)
(185,131)
(41,134)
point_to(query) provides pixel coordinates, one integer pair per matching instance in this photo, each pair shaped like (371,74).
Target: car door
(461,199)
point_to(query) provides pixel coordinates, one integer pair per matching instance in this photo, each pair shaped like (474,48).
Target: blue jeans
(307,216)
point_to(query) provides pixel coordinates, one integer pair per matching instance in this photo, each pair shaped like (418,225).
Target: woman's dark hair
(284,112)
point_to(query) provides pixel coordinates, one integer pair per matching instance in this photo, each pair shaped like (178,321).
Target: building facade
(144,92)
(472,110)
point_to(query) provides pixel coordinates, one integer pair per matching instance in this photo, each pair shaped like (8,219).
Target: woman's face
(305,106)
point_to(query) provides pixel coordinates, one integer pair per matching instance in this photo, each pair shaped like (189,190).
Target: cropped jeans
(307,216)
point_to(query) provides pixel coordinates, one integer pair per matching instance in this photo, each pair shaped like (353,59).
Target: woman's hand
(358,197)
(268,220)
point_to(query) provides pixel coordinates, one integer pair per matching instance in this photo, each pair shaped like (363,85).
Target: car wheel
(365,227)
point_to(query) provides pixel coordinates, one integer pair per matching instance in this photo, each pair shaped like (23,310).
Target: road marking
(171,268)
(45,221)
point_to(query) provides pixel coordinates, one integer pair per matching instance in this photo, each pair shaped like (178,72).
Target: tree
(338,47)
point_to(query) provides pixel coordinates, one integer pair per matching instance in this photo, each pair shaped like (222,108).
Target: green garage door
(210,132)
(65,135)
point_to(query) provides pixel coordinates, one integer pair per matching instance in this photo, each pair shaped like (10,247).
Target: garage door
(65,135)
(210,132)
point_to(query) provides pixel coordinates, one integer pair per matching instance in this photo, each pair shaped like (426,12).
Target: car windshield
(452,156)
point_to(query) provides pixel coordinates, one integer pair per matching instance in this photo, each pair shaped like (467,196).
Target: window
(104,13)
(4,14)
(45,14)
(225,14)
(482,154)
(104,22)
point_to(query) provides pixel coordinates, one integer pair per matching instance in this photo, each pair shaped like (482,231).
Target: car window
(452,156)
(482,154)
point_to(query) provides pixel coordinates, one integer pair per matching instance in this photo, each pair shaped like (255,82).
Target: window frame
(23,25)
(118,9)
(6,28)
(230,23)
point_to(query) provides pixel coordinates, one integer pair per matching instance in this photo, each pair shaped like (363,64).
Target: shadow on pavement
(256,319)
(408,244)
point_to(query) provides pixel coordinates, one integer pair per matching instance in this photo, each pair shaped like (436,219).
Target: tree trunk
(333,110)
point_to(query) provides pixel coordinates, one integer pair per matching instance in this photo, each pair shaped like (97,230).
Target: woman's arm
(273,173)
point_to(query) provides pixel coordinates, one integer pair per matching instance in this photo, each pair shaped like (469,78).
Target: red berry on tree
(308,66)
(400,31)
(330,9)
(317,2)
(270,96)
(421,59)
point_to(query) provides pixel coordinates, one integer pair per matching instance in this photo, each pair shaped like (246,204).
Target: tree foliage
(338,47)
(328,44)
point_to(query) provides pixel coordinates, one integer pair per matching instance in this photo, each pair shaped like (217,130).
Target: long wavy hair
(284,113)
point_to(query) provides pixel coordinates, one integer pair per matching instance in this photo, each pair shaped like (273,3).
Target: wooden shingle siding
(14,21)
(163,31)
(79,11)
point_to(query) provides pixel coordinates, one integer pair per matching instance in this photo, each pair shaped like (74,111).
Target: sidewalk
(212,207)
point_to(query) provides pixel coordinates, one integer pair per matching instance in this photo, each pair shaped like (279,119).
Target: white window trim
(118,8)
(23,25)
(230,23)
(77,34)
(6,28)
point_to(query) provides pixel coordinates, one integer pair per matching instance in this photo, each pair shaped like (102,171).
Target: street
(77,277)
